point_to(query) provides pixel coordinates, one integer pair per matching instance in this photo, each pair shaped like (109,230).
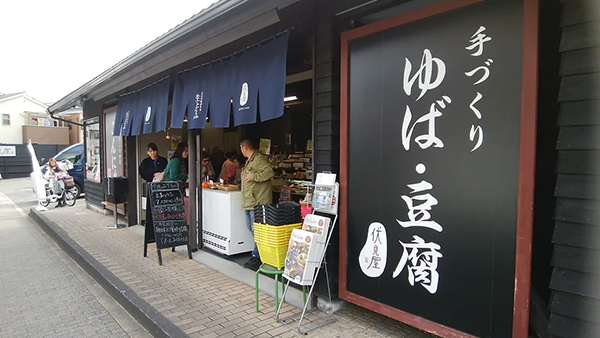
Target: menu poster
(264,146)
(175,140)
(302,257)
(166,220)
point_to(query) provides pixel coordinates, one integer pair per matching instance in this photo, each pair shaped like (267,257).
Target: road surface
(43,292)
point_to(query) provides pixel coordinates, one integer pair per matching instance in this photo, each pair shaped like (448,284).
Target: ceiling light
(290,98)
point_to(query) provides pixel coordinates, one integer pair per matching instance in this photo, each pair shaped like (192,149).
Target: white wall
(16,108)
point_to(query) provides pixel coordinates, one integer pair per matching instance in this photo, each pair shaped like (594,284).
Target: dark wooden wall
(326,123)
(575,282)
(546,153)
(94,194)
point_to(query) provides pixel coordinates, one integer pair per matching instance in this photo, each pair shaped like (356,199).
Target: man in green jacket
(256,189)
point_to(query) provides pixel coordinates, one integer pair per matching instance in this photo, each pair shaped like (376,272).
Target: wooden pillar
(192,158)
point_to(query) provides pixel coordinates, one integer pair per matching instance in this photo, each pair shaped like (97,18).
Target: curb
(152,320)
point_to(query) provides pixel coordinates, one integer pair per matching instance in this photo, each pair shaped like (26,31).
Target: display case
(224,222)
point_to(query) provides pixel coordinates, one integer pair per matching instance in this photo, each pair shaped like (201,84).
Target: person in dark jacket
(153,164)
(216,159)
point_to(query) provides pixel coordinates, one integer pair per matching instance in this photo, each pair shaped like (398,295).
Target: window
(73,157)
(6,119)
(93,151)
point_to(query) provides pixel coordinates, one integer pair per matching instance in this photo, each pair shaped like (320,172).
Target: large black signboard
(166,222)
(433,122)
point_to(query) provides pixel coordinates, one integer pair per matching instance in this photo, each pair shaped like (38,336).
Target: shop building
(495,117)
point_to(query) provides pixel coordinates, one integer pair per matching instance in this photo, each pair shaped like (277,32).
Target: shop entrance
(166,142)
(286,141)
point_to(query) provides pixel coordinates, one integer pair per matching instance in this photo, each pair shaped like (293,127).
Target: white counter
(224,222)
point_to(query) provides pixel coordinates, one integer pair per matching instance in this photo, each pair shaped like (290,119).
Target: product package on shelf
(318,225)
(326,194)
(303,257)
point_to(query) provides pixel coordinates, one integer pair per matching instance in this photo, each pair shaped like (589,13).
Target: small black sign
(166,221)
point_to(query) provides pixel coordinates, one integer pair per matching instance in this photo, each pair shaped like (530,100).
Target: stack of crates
(278,214)
(272,242)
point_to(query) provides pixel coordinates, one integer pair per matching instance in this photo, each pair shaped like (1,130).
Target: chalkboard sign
(166,221)
(432,135)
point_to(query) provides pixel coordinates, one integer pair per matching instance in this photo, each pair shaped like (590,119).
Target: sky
(50,48)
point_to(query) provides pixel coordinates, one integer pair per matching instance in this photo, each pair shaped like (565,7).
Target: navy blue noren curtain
(221,78)
(180,101)
(198,97)
(155,114)
(138,112)
(272,90)
(248,77)
(146,108)
(122,107)
(129,102)
(248,82)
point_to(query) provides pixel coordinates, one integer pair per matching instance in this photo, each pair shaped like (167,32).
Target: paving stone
(202,301)
(41,296)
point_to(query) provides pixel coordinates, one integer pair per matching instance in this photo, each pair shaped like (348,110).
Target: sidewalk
(186,297)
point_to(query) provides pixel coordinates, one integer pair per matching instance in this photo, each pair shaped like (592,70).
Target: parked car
(75,154)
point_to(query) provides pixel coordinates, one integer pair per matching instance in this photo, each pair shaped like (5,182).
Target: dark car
(75,155)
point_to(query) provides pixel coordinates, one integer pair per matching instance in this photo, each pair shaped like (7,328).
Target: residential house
(24,118)
(74,115)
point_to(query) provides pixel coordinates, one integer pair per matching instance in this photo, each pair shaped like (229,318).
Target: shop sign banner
(432,146)
(8,151)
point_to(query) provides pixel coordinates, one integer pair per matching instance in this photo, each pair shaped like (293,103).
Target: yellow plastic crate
(274,235)
(273,255)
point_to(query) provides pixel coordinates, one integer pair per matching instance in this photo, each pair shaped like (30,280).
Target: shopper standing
(153,164)
(176,169)
(226,165)
(208,171)
(256,189)
(216,159)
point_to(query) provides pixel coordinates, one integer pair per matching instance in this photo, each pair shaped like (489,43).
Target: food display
(316,224)
(297,187)
(305,249)
(296,166)
(301,256)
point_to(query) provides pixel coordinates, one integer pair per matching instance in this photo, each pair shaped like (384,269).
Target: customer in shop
(208,172)
(176,170)
(152,165)
(256,189)
(226,165)
(216,159)
(235,171)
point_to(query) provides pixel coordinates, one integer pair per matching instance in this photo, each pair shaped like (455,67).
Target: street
(43,292)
